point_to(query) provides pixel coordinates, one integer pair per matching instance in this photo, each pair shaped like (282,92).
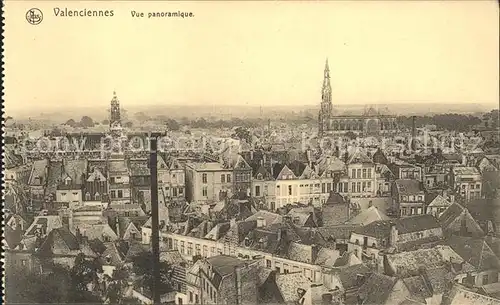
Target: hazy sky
(254,53)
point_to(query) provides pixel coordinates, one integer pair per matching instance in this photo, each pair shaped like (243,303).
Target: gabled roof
(451,214)
(74,169)
(359,156)
(439,201)
(368,216)
(44,224)
(475,251)
(38,171)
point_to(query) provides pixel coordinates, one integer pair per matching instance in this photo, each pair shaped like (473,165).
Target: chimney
(251,154)
(261,222)
(314,253)
(117,226)
(360,279)
(238,283)
(393,239)
(413,132)
(327,298)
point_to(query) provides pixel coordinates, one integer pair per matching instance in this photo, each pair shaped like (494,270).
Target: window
(353,173)
(364,173)
(23,262)
(120,194)
(204,191)
(485,279)
(111,179)
(174,192)
(323,187)
(289,190)
(268,263)
(369,185)
(358,173)
(228,178)
(191,297)
(353,187)
(87,196)
(204,178)
(113,194)
(358,187)
(257,190)
(223,178)
(369,173)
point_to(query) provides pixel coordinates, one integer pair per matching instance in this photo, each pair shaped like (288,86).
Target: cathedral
(370,123)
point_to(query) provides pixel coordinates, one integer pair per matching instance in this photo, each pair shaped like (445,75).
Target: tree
(144,268)
(242,134)
(86,122)
(172,124)
(142,117)
(128,124)
(71,123)
(25,287)
(351,135)
(83,273)
(105,122)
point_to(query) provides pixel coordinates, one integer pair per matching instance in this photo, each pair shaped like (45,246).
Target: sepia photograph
(251,152)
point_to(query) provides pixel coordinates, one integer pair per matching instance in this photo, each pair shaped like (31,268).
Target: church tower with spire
(115,118)
(325,113)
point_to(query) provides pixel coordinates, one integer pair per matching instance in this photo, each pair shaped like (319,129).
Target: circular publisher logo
(34,16)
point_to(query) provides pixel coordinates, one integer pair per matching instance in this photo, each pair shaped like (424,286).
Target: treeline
(449,121)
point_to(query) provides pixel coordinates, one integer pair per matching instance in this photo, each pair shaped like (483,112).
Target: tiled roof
(75,169)
(408,186)
(45,224)
(475,251)
(54,176)
(139,168)
(377,288)
(450,214)
(288,284)
(349,275)
(269,217)
(117,166)
(337,232)
(381,228)
(439,201)
(38,170)
(418,287)
(409,263)
(368,216)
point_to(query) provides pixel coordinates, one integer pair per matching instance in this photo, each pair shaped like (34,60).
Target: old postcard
(267,152)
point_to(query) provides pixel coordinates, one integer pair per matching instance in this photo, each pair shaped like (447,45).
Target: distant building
(408,197)
(372,122)
(466,181)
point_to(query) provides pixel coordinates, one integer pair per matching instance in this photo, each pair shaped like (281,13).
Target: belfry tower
(115,119)
(325,113)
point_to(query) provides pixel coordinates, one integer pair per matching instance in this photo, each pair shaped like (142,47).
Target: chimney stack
(393,239)
(413,131)
(314,253)
(261,222)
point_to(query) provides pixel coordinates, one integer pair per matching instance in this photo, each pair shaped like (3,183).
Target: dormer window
(259,176)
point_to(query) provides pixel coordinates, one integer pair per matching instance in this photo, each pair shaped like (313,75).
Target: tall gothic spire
(325,111)
(327,89)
